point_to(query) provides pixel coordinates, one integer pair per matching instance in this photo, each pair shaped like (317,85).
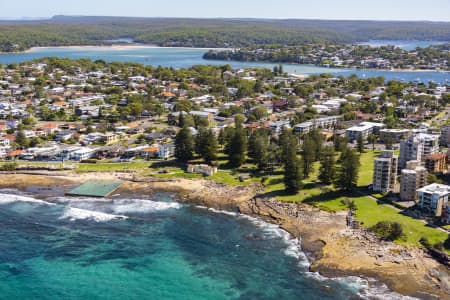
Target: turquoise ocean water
(152,248)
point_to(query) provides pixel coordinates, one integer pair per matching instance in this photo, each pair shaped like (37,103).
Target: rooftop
(435,188)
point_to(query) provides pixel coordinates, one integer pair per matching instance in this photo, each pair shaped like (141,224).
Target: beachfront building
(416,147)
(412,178)
(436,162)
(433,198)
(385,172)
(363,129)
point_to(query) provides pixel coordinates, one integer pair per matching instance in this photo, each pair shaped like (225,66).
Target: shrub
(439,246)
(447,243)
(9,167)
(424,242)
(388,230)
(349,203)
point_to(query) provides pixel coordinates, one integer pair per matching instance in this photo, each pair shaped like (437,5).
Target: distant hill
(94,30)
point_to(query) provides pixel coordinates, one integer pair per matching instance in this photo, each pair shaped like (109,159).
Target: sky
(430,10)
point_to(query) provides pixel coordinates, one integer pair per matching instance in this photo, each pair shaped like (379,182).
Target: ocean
(187,57)
(153,248)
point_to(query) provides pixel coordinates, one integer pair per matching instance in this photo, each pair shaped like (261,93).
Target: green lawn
(366,168)
(369,212)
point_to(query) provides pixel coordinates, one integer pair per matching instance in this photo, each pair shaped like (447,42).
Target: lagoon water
(404,44)
(187,57)
(152,248)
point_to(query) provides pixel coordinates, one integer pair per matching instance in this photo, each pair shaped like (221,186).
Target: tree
(283,142)
(184,145)
(372,139)
(388,143)
(136,109)
(206,145)
(360,143)
(347,172)
(258,113)
(292,169)
(185,120)
(388,230)
(317,139)
(225,135)
(432,178)
(308,156)
(258,145)
(237,146)
(327,165)
(447,243)
(22,140)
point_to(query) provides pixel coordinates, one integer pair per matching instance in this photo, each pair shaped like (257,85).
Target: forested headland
(212,33)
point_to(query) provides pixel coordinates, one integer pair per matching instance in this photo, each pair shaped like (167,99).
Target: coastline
(350,69)
(121,47)
(117,47)
(333,249)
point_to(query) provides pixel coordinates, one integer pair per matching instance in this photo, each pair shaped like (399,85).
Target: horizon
(24,19)
(345,10)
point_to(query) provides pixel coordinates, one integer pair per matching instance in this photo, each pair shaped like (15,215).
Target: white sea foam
(118,206)
(142,206)
(368,289)
(74,214)
(293,246)
(224,212)
(11,198)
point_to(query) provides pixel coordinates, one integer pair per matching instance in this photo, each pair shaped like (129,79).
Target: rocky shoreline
(334,248)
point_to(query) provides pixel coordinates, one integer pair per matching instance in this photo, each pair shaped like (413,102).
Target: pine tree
(292,169)
(327,165)
(283,142)
(308,156)
(317,138)
(372,139)
(210,153)
(347,173)
(200,141)
(360,143)
(258,145)
(206,145)
(237,147)
(184,145)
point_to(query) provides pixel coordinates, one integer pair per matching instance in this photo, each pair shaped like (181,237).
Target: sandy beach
(116,47)
(333,248)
